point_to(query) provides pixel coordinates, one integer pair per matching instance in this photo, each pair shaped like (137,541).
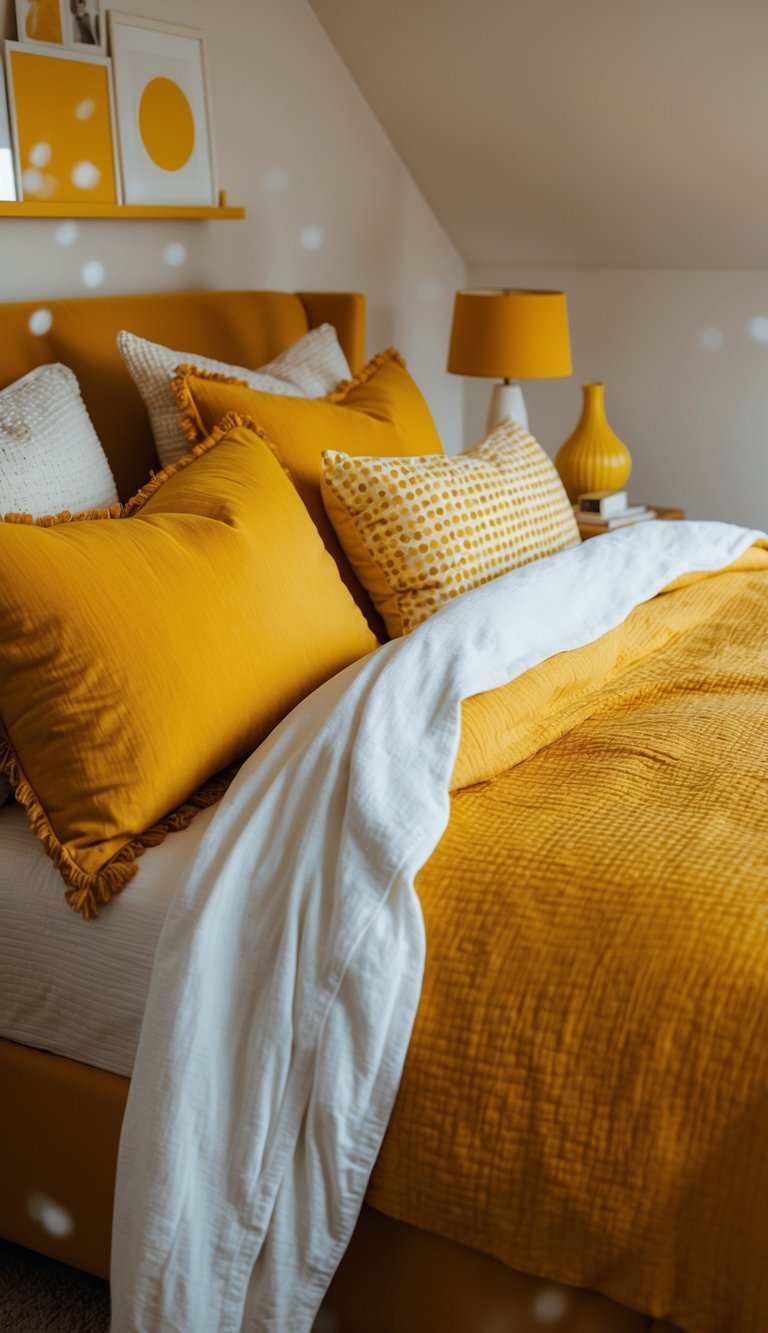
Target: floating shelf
(35,208)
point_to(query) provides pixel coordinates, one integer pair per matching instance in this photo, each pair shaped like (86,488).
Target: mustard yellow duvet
(582,1093)
(586,1090)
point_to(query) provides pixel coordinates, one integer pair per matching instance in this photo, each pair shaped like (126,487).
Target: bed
(592,1251)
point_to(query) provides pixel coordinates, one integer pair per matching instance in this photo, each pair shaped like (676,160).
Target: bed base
(59,1133)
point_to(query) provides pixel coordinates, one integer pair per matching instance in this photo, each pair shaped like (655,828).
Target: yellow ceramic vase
(593,458)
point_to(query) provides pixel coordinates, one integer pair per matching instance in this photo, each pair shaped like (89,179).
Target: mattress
(73,987)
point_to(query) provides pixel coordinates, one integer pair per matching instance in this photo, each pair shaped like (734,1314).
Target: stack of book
(603,510)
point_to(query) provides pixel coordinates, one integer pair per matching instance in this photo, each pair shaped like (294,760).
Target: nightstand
(595,529)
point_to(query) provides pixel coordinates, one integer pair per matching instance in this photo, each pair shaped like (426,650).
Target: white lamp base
(507,403)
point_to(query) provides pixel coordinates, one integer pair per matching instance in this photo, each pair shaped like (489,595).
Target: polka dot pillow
(419,531)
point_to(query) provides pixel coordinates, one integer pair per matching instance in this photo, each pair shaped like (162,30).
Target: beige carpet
(38,1295)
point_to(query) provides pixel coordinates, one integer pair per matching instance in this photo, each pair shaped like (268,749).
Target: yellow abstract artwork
(61,115)
(166,124)
(43,21)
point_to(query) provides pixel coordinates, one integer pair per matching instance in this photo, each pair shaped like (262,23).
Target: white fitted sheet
(75,987)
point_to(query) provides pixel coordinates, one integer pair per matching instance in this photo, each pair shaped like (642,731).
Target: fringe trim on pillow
(190,422)
(345,387)
(55,520)
(156,481)
(91,891)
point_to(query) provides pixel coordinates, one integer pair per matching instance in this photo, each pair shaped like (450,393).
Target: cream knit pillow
(310,368)
(50,456)
(419,531)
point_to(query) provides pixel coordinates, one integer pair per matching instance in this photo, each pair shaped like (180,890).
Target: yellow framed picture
(75,23)
(41,21)
(83,24)
(163,112)
(62,125)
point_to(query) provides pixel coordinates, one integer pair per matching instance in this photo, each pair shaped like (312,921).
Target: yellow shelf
(39,209)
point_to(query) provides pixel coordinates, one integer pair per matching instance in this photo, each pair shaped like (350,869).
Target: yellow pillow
(378,413)
(147,647)
(419,531)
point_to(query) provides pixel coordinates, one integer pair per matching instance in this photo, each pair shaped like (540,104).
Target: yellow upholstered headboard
(244,328)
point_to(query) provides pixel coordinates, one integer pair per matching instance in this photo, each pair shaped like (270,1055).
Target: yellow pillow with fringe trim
(419,531)
(380,412)
(147,647)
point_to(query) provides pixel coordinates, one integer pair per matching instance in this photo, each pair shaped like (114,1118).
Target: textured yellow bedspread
(586,1092)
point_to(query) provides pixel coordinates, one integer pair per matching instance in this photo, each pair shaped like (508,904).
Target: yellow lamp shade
(519,334)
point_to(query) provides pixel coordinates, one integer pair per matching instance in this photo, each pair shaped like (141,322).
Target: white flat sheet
(74,987)
(288,970)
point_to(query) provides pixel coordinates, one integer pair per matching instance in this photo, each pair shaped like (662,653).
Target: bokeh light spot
(550,1305)
(67,233)
(40,154)
(51,1215)
(312,238)
(85,175)
(32,180)
(40,321)
(758,329)
(175,254)
(711,339)
(92,273)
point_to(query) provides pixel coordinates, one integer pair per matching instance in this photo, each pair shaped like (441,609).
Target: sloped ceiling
(575,132)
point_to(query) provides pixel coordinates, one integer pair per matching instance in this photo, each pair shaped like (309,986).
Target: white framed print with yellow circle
(163,112)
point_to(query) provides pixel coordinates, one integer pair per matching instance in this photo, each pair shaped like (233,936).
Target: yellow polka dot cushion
(379,413)
(146,649)
(419,531)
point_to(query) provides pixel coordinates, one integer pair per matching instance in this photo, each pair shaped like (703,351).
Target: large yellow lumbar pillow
(142,653)
(380,412)
(419,531)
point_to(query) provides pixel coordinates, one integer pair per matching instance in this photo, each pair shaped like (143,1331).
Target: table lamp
(510,335)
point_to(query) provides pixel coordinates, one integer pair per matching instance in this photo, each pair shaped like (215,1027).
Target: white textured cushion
(50,456)
(310,368)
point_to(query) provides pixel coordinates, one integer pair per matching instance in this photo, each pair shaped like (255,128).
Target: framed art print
(84,26)
(40,20)
(7,172)
(62,124)
(163,112)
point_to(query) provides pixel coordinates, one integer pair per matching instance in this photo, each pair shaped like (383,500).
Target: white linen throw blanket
(289,967)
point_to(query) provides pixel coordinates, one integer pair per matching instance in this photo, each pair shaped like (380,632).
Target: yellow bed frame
(394,1278)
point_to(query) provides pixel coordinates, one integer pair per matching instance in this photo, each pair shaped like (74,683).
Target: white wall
(686,380)
(297,144)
